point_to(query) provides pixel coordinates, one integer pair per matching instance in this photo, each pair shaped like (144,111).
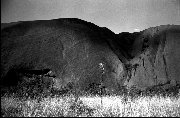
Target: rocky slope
(156,58)
(79,54)
(76,52)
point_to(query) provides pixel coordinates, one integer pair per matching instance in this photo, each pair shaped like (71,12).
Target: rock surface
(75,50)
(156,58)
(79,54)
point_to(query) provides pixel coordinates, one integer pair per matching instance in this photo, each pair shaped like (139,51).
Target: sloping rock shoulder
(75,50)
(156,61)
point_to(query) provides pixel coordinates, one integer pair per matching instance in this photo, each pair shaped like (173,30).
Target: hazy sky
(117,15)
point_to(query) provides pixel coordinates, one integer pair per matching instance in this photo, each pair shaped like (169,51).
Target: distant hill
(4,25)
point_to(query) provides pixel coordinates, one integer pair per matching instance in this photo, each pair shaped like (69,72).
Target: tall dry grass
(106,106)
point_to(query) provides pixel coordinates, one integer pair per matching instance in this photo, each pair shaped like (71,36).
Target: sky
(117,15)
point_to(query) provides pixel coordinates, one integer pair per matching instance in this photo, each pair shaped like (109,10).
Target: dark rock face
(156,58)
(74,54)
(74,50)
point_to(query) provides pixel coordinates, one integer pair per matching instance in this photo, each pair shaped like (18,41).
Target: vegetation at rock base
(36,98)
(87,105)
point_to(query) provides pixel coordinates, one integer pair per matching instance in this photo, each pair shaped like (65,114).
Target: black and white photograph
(90,58)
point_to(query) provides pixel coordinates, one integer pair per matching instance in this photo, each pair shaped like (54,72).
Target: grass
(90,106)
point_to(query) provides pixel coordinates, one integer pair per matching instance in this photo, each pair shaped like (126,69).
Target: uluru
(73,52)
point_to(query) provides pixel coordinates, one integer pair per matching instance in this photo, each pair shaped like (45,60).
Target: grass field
(91,106)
